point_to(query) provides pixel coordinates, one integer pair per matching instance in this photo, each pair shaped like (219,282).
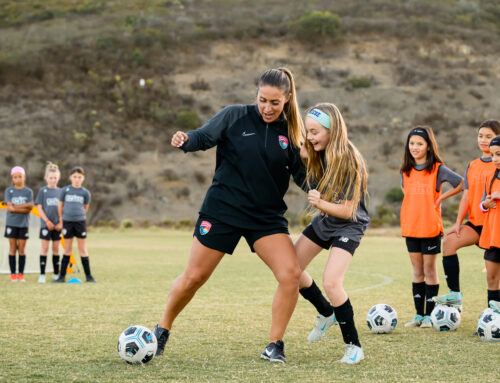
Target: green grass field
(68,333)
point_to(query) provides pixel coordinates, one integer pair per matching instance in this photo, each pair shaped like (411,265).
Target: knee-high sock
(418,289)
(22,262)
(313,294)
(12,263)
(55,263)
(345,317)
(64,265)
(430,291)
(451,268)
(43,263)
(493,295)
(86,265)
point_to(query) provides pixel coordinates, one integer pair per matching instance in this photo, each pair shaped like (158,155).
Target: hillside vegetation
(70,88)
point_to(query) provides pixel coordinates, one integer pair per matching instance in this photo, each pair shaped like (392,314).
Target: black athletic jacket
(253,167)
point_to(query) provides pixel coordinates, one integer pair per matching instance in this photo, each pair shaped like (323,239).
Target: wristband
(482,208)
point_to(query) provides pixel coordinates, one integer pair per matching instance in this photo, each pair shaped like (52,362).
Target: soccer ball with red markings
(382,319)
(488,326)
(137,345)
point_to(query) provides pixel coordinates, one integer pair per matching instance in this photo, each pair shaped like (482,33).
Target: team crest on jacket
(205,227)
(283,142)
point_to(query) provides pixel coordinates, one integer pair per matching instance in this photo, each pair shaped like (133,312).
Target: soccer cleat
(274,352)
(20,277)
(41,278)
(90,278)
(426,322)
(415,322)
(322,324)
(353,354)
(54,277)
(162,335)
(495,306)
(60,279)
(13,277)
(454,299)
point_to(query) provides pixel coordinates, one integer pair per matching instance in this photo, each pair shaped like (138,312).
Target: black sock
(64,265)
(313,294)
(345,317)
(12,263)
(493,295)
(430,291)
(43,263)
(55,263)
(86,265)
(22,262)
(451,268)
(418,289)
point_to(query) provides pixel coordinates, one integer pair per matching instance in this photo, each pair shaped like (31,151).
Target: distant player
(337,170)
(19,200)
(73,207)
(257,152)
(47,203)
(422,178)
(490,236)
(459,235)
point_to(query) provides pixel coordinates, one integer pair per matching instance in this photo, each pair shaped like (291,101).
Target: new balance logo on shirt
(73,198)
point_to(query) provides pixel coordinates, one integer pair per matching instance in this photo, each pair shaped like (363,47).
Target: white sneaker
(322,324)
(41,278)
(55,277)
(353,354)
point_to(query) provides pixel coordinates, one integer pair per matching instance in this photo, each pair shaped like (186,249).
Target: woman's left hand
(314,197)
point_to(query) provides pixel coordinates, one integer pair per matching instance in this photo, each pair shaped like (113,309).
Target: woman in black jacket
(257,151)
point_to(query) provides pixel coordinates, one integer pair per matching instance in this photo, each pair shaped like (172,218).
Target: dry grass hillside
(70,92)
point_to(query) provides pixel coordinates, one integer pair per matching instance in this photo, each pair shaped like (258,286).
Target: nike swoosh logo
(245,134)
(268,353)
(431,247)
(323,328)
(354,357)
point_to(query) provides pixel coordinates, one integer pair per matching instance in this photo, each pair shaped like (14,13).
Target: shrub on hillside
(360,82)
(317,24)
(394,195)
(187,119)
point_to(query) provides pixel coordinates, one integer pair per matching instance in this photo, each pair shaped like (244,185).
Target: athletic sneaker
(90,278)
(415,322)
(55,277)
(162,335)
(41,278)
(13,277)
(454,299)
(426,322)
(322,324)
(20,277)
(274,352)
(353,354)
(495,306)
(60,279)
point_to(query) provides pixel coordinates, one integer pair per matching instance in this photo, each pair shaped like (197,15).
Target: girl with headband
(459,235)
(257,151)
(19,200)
(47,203)
(337,174)
(422,176)
(490,236)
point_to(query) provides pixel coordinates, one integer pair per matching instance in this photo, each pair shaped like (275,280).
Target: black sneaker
(274,352)
(90,279)
(60,279)
(162,335)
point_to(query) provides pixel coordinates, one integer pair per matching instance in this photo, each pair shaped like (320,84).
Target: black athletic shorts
(223,237)
(16,232)
(492,255)
(74,229)
(50,235)
(341,242)
(478,229)
(424,245)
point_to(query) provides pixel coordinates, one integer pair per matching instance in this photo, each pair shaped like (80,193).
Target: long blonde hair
(282,78)
(345,174)
(52,168)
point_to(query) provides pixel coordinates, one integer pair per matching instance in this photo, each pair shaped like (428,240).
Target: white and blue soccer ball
(137,345)
(445,318)
(488,326)
(382,319)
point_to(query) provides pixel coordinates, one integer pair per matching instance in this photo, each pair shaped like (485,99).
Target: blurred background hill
(70,89)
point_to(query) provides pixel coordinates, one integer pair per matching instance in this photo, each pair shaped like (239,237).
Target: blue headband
(420,132)
(321,117)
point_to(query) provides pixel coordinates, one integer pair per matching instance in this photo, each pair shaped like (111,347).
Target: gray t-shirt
(74,203)
(444,175)
(327,227)
(49,199)
(18,197)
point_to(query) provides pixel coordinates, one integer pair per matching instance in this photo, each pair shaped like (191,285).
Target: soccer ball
(445,318)
(137,345)
(488,326)
(382,319)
